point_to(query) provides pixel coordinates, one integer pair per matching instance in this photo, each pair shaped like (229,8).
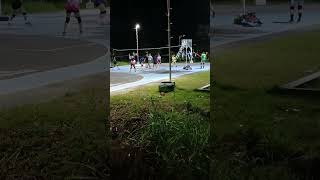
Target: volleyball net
(123,54)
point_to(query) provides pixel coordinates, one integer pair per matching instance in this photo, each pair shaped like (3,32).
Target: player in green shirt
(174,60)
(203,59)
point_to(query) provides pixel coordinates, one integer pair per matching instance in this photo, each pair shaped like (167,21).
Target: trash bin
(166,86)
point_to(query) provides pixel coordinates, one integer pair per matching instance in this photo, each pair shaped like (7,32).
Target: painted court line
(152,77)
(12,73)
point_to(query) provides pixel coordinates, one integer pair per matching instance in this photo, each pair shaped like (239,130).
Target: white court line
(12,73)
(56,49)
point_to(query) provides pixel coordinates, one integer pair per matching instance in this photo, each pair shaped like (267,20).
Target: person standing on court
(293,5)
(72,6)
(17,8)
(155,62)
(132,62)
(158,60)
(150,60)
(203,59)
(174,60)
(101,5)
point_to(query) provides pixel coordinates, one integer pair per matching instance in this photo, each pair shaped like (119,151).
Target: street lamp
(137,39)
(181,36)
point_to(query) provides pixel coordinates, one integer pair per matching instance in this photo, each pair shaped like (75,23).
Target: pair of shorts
(75,12)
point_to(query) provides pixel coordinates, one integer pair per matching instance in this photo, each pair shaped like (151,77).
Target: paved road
(36,56)
(225,32)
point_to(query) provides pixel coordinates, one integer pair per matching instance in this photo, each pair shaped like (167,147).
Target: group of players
(71,7)
(148,59)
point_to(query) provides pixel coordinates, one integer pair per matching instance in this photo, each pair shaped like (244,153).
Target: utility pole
(169,36)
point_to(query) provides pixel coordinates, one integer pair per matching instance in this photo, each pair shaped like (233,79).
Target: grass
(64,138)
(258,134)
(169,133)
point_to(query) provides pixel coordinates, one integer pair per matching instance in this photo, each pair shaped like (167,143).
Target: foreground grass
(258,134)
(165,136)
(65,138)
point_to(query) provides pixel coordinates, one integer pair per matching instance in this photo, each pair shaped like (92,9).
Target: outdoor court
(37,56)
(226,32)
(145,76)
(25,54)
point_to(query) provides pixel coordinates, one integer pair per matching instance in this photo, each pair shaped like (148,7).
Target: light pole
(181,36)
(137,38)
(169,37)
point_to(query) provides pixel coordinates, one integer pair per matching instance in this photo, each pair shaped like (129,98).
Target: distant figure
(155,62)
(190,57)
(150,60)
(293,4)
(132,62)
(158,60)
(115,63)
(101,5)
(203,59)
(174,60)
(142,60)
(72,6)
(17,8)
(136,57)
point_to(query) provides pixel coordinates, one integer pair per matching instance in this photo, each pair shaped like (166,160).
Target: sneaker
(28,22)
(63,33)
(9,23)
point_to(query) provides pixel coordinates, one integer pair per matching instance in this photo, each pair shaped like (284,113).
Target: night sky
(186,16)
